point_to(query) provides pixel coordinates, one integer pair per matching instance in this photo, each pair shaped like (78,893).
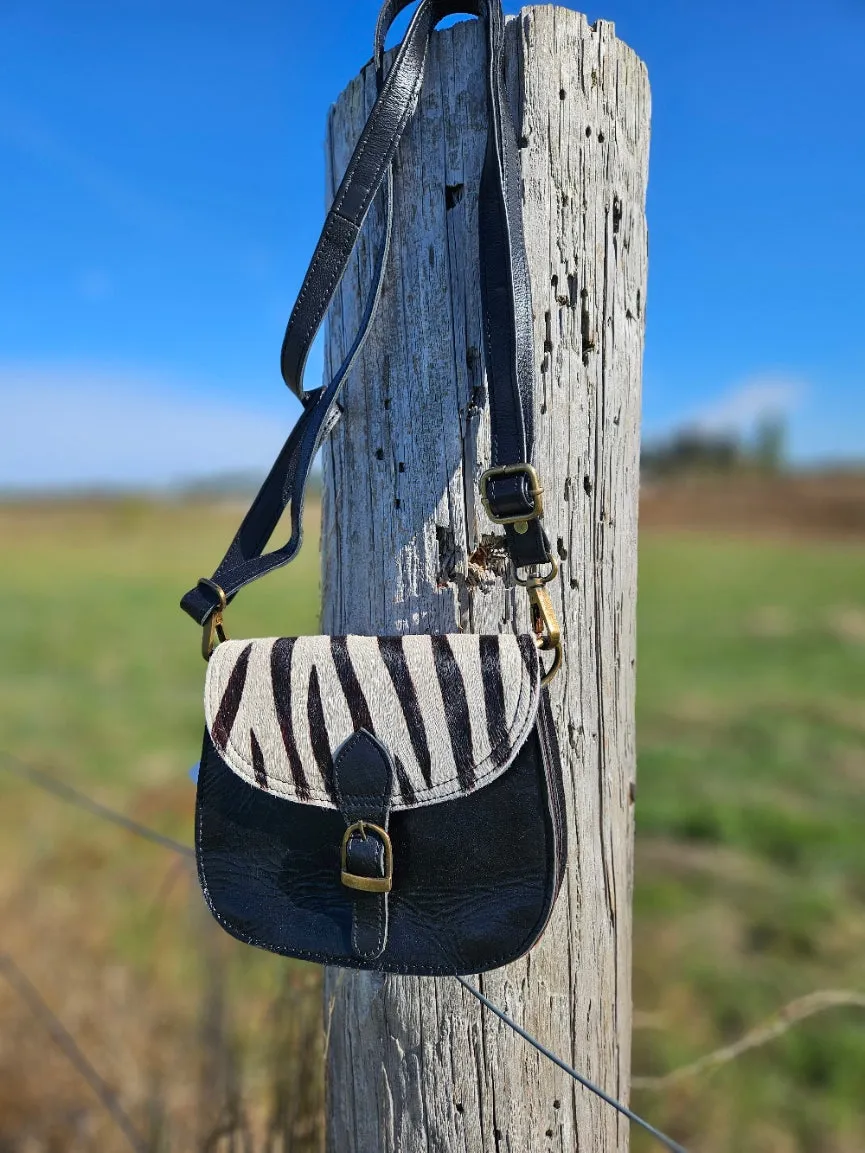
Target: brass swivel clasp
(213,630)
(545,623)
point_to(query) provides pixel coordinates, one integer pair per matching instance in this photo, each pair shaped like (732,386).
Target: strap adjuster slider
(534,488)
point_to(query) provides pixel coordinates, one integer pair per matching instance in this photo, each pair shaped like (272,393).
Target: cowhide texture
(452,710)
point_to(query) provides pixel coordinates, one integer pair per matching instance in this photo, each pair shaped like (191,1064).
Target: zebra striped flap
(452,710)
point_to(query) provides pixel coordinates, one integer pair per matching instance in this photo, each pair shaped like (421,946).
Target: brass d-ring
(533,581)
(213,628)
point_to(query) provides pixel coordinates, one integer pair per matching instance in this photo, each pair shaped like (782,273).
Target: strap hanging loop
(510,488)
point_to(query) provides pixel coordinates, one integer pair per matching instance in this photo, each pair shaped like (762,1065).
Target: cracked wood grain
(411,1063)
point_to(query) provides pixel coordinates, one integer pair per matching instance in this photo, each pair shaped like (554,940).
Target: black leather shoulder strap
(397,99)
(510,493)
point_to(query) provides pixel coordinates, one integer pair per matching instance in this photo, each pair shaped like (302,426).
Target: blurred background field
(750,874)
(161,196)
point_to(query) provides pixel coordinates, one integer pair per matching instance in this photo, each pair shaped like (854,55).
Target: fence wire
(57,788)
(21,984)
(50,784)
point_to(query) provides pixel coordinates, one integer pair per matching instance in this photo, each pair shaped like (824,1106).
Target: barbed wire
(786,1018)
(21,984)
(672,1145)
(65,792)
(27,772)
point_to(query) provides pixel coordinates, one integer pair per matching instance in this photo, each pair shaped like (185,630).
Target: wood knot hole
(453,195)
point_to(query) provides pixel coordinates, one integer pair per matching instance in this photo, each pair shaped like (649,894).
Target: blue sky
(162,188)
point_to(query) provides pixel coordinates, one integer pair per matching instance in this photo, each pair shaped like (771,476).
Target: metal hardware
(547,630)
(545,623)
(367,884)
(534,581)
(535,490)
(213,629)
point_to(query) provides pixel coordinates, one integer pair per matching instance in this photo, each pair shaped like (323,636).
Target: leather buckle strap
(512,496)
(363,776)
(516,503)
(526,491)
(511,492)
(363,881)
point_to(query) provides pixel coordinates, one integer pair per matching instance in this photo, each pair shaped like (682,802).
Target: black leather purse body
(391,803)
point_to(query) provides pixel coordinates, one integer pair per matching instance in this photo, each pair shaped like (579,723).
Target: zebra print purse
(391,803)
(361,804)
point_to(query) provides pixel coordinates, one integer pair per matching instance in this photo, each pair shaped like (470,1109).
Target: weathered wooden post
(413,1063)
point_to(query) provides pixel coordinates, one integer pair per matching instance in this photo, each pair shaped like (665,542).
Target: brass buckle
(545,623)
(367,884)
(535,490)
(213,627)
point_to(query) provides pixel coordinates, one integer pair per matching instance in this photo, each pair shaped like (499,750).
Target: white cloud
(741,407)
(74,426)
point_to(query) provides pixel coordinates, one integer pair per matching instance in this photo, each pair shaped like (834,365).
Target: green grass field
(750,874)
(750,885)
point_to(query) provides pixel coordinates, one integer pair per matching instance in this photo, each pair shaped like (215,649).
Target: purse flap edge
(453,710)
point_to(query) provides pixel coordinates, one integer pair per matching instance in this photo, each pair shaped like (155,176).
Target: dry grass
(196,1060)
(821,505)
(208,1045)
(750,888)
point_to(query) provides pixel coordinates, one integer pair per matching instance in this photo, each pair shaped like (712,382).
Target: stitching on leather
(516,735)
(346,182)
(346,187)
(321,958)
(369,739)
(378,948)
(304,292)
(414,92)
(340,270)
(349,800)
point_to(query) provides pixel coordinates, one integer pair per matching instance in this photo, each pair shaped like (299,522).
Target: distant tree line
(702,450)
